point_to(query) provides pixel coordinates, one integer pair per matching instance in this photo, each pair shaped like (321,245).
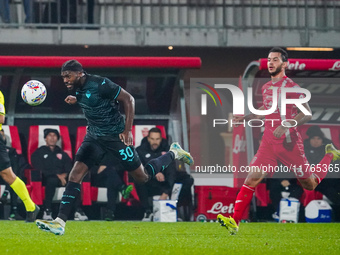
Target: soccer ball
(33,92)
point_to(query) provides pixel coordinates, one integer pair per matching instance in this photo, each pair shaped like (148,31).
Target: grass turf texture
(99,237)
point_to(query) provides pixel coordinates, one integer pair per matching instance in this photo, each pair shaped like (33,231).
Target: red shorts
(291,155)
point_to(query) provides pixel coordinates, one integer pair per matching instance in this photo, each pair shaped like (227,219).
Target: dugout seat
(141,131)
(35,140)
(98,194)
(12,137)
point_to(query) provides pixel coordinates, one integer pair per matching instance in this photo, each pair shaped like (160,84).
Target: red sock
(243,199)
(325,161)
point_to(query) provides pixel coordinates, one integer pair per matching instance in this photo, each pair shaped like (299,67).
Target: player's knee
(254,178)
(141,179)
(74,178)
(8,175)
(308,187)
(251,182)
(140,175)
(78,172)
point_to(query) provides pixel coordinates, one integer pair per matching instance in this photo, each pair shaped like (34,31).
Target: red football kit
(288,149)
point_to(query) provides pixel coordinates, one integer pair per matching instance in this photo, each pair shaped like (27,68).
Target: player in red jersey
(280,142)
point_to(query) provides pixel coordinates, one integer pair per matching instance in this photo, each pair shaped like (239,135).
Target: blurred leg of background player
(245,195)
(20,189)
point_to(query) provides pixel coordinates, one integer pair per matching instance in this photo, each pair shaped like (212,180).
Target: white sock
(60,221)
(175,153)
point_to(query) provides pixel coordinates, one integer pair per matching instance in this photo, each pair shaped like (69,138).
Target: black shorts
(5,162)
(107,150)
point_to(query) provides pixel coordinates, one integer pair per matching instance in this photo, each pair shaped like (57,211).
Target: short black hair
(284,54)
(72,65)
(155,130)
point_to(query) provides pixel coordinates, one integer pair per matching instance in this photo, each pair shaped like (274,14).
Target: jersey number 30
(126,154)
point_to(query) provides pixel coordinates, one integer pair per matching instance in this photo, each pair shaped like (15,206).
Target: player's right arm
(251,116)
(71,99)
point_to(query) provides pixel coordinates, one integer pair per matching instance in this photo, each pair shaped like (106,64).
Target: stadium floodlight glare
(309,49)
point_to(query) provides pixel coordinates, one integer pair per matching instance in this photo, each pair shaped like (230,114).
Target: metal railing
(175,14)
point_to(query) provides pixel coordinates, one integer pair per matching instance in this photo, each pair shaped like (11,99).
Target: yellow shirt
(2,106)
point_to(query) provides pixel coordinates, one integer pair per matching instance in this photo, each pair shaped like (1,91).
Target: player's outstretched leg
(331,149)
(228,223)
(157,165)
(51,226)
(57,226)
(181,154)
(69,198)
(20,189)
(332,154)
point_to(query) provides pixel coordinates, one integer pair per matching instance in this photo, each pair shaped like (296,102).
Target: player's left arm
(70,99)
(300,119)
(129,107)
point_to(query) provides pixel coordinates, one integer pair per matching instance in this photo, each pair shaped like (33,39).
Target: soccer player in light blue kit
(107,135)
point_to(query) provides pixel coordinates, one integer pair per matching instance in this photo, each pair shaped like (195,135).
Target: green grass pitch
(133,237)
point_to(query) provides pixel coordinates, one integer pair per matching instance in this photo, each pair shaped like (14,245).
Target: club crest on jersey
(88,94)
